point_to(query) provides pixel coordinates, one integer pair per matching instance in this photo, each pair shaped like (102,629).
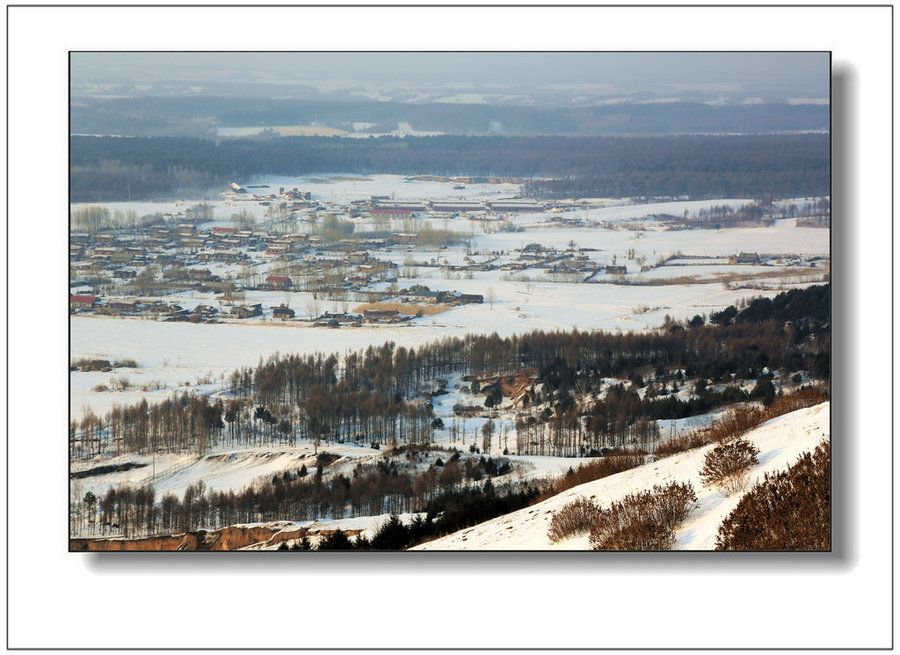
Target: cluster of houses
(339,319)
(419,293)
(171,312)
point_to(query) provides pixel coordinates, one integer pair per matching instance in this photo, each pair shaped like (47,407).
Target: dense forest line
(376,396)
(199,116)
(109,168)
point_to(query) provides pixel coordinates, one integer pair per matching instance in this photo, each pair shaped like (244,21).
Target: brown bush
(735,422)
(575,518)
(740,420)
(681,443)
(727,466)
(594,470)
(799,399)
(644,521)
(788,510)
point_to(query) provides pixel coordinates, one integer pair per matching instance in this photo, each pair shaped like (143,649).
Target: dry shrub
(599,468)
(645,520)
(735,423)
(407,308)
(727,466)
(681,443)
(788,510)
(740,420)
(799,399)
(575,518)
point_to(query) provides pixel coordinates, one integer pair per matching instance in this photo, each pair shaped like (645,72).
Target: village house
(358,256)
(206,311)
(745,258)
(116,307)
(340,317)
(201,275)
(616,270)
(282,312)
(420,293)
(247,311)
(278,282)
(82,302)
(382,316)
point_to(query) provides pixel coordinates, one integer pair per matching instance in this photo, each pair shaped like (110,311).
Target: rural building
(747,258)
(83,302)
(411,206)
(122,306)
(391,213)
(457,206)
(282,312)
(515,205)
(382,315)
(278,282)
(247,311)
(616,270)
(206,310)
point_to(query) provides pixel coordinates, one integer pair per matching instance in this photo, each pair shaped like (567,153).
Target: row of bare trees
(373,489)
(375,395)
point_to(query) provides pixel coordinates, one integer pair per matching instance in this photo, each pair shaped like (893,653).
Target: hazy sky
(734,75)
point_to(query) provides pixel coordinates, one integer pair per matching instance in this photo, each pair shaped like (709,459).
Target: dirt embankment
(231,538)
(511,386)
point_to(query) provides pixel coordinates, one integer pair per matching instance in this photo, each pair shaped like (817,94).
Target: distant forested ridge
(110,168)
(200,116)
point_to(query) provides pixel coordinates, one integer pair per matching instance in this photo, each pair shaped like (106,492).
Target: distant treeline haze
(199,116)
(109,168)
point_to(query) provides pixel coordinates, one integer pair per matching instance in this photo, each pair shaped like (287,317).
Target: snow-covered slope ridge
(780,442)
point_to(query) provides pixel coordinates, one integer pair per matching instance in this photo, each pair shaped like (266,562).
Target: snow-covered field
(780,441)
(179,353)
(222,469)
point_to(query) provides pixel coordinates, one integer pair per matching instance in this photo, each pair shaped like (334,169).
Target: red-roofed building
(278,282)
(82,302)
(221,231)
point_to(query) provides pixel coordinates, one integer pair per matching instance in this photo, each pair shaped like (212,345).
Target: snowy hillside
(780,442)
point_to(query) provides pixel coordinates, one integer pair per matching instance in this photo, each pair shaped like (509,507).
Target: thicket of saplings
(453,494)
(787,510)
(370,397)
